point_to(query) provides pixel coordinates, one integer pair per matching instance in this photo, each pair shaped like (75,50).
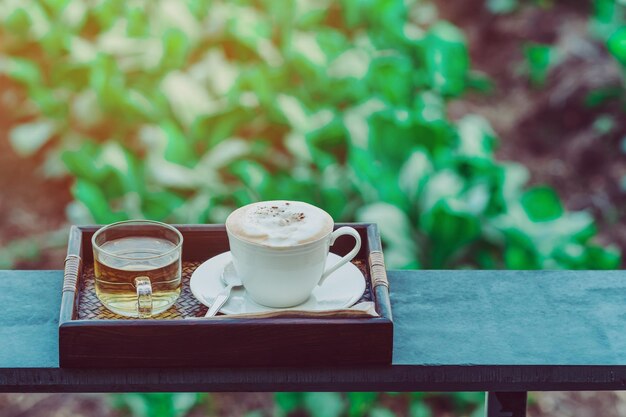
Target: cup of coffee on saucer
(280,250)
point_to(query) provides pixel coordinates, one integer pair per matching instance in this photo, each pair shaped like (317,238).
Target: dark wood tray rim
(79,251)
(233,342)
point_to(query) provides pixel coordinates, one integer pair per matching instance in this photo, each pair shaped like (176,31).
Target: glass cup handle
(333,236)
(144,296)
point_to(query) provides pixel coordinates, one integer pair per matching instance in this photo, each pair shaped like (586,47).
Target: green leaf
(414,174)
(448,231)
(215,128)
(599,96)
(26,139)
(476,137)
(73,15)
(335,201)
(136,403)
(391,77)
(520,257)
(94,199)
(324,404)
(18,22)
(444,184)
(311,15)
(502,6)
(85,109)
(464,399)
(288,401)
(539,59)
(256,178)
(160,205)
(108,83)
(377,181)
(27,23)
(325,139)
(49,103)
(56,6)
(123,166)
(597,257)
(381,412)
(396,232)
(23,70)
(608,16)
(157,404)
(429,108)
(447,59)
(334,42)
(177,149)
(617,45)
(542,204)
(307,52)
(382,17)
(420,409)
(294,111)
(187,98)
(359,403)
(82,162)
(480,410)
(137,21)
(183,402)
(391,133)
(604,124)
(513,176)
(175,49)
(247,25)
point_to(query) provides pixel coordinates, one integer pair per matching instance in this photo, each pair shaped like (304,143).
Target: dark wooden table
(505,332)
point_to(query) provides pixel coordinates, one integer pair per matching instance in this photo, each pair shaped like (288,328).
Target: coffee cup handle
(333,236)
(144,296)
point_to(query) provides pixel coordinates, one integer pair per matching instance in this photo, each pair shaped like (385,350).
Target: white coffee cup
(276,267)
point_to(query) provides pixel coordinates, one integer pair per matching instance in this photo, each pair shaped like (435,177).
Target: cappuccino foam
(279,223)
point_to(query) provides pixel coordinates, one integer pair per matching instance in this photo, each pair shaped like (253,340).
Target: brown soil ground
(549,129)
(30,204)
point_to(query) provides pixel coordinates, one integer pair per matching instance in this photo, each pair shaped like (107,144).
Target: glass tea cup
(137,267)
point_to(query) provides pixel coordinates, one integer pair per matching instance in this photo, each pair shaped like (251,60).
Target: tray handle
(377,269)
(70,275)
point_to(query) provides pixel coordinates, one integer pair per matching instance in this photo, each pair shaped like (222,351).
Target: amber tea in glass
(137,267)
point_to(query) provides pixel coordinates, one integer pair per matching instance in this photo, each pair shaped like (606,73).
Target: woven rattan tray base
(90,308)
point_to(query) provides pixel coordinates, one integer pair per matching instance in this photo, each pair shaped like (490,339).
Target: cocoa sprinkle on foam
(280,223)
(275,211)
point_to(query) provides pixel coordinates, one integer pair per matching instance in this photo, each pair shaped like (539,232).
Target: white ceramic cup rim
(283,248)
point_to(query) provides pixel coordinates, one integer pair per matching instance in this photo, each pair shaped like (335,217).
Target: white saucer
(341,289)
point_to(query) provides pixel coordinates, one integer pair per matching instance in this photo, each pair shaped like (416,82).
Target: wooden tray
(92,336)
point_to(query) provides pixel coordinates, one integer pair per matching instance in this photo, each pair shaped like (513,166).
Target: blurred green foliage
(609,24)
(510,6)
(608,16)
(372,404)
(313,404)
(158,404)
(539,59)
(183,110)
